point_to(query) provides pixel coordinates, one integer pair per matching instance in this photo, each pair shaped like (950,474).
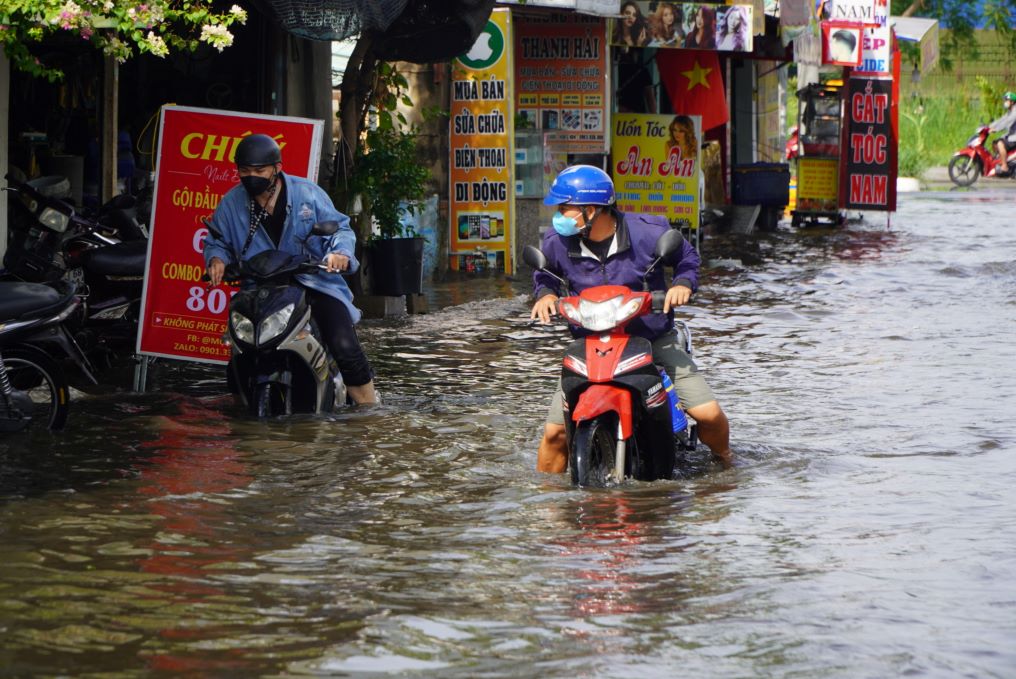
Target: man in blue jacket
(594,243)
(270,210)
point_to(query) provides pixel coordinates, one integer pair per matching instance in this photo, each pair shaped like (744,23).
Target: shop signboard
(817,184)
(181,317)
(656,167)
(561,71)
(868,159)
(684,25)
(482,193)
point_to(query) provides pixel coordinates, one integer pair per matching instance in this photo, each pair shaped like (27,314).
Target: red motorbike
(977,158)
(621,412)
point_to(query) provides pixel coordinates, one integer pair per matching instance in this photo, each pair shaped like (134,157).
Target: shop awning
(922,31)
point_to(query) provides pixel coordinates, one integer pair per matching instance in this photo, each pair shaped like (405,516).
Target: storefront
(97,127)
(666,110)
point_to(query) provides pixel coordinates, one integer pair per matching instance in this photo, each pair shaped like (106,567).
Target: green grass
(932,129)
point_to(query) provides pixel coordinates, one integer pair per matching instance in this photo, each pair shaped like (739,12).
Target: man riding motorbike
(594,243)
(1006,124)
(271,210)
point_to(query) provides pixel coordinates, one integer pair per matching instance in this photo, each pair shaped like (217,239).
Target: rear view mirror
(211,228)
(325,228)
(532,256)
(669,243)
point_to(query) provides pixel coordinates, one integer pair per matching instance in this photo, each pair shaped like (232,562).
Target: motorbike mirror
(534,257)
(668,243)
(325,228)
(211,228)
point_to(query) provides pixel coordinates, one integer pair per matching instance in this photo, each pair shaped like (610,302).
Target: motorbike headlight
(598,316)
(242,327)
(975,141)
(54,219)
(273,326)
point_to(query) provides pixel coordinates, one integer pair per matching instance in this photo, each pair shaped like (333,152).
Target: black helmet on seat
(256,150)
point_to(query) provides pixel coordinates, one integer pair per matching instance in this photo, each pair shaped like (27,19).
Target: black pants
(336,326)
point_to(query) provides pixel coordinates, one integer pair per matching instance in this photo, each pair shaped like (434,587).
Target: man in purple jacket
(594,243)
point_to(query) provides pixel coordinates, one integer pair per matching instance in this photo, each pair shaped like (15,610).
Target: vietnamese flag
(694,84)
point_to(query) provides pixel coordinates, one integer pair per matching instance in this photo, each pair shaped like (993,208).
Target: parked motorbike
(977,158)
(34,390)
(280,363)
(619,418)
(104,254)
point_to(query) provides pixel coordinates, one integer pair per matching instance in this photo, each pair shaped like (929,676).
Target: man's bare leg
(714,430)
(552,456)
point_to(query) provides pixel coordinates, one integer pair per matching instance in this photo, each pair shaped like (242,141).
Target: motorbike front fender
(604,398)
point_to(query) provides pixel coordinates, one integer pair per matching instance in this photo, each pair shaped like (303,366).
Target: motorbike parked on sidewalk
(978,159)
(280,363)
(104,255)
(34,390)
(620,419)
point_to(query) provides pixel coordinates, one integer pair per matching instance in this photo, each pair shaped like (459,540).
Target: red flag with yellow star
(694,84)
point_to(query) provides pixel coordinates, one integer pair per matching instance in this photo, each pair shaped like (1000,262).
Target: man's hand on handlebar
(216,268)
(677,295)
(544,308)
(336,262)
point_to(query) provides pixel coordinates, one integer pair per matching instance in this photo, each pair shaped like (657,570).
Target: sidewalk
(937,179)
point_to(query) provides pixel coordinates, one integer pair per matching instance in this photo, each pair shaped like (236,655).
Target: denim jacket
(306,205)
(625,264)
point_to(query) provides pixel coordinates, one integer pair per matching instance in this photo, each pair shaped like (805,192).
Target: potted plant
(390,182)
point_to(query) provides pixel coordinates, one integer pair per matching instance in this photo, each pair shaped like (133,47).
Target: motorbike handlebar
(234,274)
(658,298)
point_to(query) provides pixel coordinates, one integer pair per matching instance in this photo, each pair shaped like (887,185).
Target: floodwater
(868,530)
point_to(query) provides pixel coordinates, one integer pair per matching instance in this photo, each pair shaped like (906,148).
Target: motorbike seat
(121,259)
(25,301)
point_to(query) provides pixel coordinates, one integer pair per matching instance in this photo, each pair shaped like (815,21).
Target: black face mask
(256,185)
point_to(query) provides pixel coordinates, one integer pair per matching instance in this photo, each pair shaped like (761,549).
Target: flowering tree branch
(120,28)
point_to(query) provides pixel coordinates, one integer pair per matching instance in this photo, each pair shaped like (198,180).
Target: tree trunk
(357,86)
(914,6)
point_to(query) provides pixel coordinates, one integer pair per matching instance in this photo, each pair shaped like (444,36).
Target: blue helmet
(581,185)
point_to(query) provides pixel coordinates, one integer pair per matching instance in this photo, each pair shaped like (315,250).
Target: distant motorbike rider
(1007,142)
(594,243)
(270,210)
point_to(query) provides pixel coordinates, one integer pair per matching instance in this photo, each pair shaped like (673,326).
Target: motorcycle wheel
(594,446)
(270,400)
(963,170)
(40,396)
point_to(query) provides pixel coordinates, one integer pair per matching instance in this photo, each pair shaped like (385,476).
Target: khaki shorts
(668,351)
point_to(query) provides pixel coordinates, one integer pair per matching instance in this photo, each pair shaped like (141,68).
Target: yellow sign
(818,178)
(656,165)
(482,192)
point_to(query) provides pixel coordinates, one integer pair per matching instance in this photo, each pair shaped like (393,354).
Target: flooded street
(868,530)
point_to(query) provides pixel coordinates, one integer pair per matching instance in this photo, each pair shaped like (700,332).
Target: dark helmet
(581,185)
(256,150)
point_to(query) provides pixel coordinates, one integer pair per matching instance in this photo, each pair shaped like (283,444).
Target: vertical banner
(656,166)
(868,159)
(481,143)
(180,316)
(771,81)
(561,72)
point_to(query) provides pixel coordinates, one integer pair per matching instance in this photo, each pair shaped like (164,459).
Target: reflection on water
(866,532)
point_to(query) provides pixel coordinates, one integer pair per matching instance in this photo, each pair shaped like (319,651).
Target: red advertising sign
(868,158)
(181,317)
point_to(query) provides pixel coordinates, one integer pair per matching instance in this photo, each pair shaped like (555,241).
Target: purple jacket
(636,239)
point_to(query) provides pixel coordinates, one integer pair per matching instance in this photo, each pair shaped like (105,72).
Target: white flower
(156,45)
(217,36)
(238,13)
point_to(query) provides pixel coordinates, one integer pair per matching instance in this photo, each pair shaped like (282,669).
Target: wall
(429,91)
(309,91)
(5,83)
